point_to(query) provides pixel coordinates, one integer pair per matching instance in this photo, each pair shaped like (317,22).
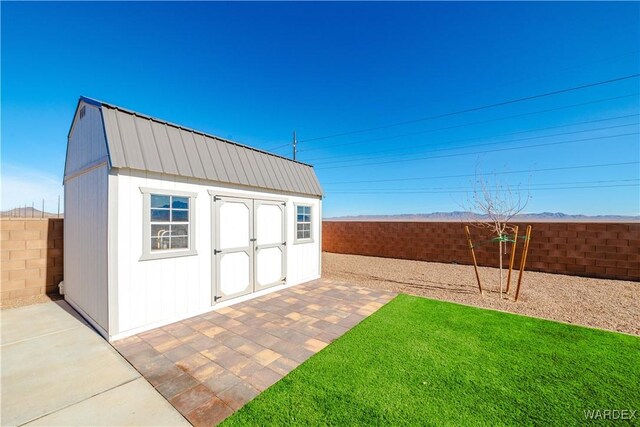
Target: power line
(466,188)
(483,107)
(482,152)
(513,116)
(511,82)
(467,124)
(278,147)
(486,143)
(540,76)
(467,191)
(471,174)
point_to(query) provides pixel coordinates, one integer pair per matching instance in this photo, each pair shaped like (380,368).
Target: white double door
(249,246)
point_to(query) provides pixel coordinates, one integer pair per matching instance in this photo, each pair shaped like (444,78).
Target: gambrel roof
(137,141)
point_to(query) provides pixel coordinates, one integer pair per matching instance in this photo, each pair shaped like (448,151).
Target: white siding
(85,243)
(159,291)
(303,263)
(87,145)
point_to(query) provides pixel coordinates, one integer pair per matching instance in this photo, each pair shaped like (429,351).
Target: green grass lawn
(424,362)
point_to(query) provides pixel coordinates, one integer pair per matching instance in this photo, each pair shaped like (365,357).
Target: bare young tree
(497,203)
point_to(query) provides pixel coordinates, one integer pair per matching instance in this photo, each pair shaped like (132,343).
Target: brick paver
(210,365)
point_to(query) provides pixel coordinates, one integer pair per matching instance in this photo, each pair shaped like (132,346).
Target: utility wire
(541,76)
(278,147)
(493,187)
(483,144)
(469,124)
(467,191)
(483,107)
(471,174)
(481,152)
(511,82)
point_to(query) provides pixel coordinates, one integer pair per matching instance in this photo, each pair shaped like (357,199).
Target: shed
(163,222)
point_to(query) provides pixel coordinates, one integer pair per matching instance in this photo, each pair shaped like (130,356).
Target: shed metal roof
(141,142)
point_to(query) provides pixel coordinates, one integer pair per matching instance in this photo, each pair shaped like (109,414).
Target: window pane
(179,242)
(180,216)
(180,230)
(300,217)
(160,215)
(304,210)
(159,201)
(174,211)
(303,231)
(307,218)
(159,244)
(180,203)
(159,230)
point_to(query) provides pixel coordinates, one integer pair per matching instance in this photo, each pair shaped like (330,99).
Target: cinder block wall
(31,261)
(586,249)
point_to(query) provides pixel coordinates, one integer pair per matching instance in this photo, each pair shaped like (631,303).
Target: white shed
(164,223)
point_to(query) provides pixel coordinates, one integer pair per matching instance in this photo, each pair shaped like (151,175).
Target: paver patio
(210,365)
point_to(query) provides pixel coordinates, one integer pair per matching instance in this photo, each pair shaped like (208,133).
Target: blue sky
(254,72)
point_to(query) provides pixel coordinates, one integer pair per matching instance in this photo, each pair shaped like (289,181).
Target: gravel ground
(600,303)
(36,299)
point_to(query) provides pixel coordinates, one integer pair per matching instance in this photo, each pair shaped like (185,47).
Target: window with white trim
(169,220)
(169,224)
(303,222)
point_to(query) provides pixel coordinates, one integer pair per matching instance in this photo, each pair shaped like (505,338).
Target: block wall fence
(603,250)
(32,249)
(31,262)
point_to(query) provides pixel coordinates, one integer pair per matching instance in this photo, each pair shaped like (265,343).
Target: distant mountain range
(470,216)
(435,216)
(27,212)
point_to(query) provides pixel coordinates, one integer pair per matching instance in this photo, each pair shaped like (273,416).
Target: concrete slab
(117,407)
(28,322)
(51,360)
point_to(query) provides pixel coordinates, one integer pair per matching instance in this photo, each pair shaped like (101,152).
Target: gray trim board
(112,252)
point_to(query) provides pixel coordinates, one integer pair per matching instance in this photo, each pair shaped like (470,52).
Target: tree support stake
(513,256)
(523,261)
(473,255)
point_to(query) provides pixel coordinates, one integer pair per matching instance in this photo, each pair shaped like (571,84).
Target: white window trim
(147,254)
(297,241)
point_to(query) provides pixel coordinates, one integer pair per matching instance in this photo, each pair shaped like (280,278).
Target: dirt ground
(600,303)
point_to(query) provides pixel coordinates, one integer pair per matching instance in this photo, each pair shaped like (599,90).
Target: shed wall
(153,292)
(85,243)
(87,145)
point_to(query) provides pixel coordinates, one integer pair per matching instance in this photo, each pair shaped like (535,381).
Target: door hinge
(284,243)
(216,198)
(216,251)
(216,298)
